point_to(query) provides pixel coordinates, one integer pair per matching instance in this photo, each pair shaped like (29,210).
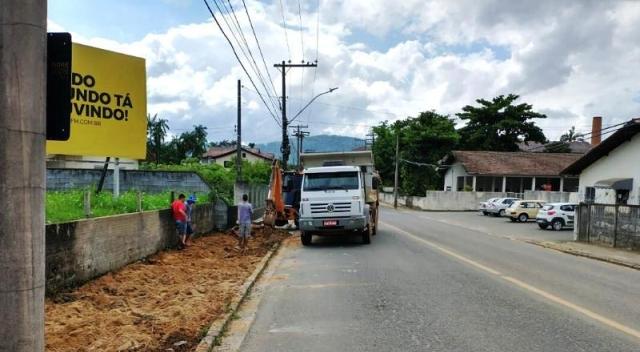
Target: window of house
(227,163)
(244,155)
(589,194)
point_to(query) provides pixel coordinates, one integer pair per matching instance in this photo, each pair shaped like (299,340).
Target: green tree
(193,143)
(424,140)
(564,144)
(499,125)
(156,132)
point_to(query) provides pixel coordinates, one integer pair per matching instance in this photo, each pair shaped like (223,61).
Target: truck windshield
(330,180)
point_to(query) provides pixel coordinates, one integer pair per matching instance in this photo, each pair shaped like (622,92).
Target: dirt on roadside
(165,302)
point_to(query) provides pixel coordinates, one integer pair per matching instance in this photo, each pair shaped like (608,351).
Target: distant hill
(320,143)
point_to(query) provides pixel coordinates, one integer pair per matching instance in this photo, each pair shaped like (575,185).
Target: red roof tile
(513,163)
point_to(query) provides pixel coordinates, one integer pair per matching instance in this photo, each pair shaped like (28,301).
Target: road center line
(542,293)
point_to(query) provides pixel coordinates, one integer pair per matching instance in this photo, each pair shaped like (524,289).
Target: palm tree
(572,136)
(157,129)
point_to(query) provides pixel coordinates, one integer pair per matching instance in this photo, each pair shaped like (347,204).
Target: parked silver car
(498,207)
(482,207)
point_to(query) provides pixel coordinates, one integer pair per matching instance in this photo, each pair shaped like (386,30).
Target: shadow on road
(332,241)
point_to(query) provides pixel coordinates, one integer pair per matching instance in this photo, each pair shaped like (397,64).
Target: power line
(315,70)
(240,62)
(284,25)
(253,30)
(250,58)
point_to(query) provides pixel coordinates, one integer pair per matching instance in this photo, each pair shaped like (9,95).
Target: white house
(610,172)
(514,172)
(225,155)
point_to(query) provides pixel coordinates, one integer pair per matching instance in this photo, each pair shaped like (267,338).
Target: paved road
(425,284)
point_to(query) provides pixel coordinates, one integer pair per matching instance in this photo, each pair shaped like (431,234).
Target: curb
(218,328)
(579,253)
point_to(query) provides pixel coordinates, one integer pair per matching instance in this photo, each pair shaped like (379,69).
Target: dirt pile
(165,301)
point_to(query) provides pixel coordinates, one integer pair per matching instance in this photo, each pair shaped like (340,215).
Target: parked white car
(498,207)
(482,207)
(556,215)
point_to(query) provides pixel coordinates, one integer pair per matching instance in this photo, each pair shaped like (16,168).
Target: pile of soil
(166,301)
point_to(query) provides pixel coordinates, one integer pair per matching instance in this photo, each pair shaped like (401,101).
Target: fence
(614,225)
(80,250)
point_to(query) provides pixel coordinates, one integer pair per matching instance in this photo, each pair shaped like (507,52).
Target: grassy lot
(68,205)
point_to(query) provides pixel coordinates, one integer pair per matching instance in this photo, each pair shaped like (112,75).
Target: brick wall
(81,250)
(146,181)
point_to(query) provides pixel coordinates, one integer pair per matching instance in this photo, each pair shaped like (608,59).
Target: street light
(311,101)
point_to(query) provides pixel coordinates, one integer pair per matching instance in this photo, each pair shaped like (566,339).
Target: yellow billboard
(108,105)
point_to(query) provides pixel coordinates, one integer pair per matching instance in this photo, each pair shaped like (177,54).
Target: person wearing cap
(191,201)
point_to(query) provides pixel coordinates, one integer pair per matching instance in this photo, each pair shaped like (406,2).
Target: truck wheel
(305,238)
(366,235)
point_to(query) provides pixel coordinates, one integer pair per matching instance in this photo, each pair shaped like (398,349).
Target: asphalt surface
(429,284)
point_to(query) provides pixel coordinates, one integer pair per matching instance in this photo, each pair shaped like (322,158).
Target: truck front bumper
(317,225)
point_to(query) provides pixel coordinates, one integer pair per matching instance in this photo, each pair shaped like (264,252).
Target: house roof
(575,146)
(217,152)
(622,135)
(512,163)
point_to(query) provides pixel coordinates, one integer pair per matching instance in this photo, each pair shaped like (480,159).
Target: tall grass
(68,205)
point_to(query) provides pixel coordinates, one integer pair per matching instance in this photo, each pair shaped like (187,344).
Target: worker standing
(245,212)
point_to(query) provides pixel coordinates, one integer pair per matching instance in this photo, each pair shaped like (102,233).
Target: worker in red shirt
(180,216)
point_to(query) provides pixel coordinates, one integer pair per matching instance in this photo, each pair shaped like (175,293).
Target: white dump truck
(339,195)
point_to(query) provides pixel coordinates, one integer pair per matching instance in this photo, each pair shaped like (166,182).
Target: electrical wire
(253,30)
(284,25)
(248,53)
(235,53)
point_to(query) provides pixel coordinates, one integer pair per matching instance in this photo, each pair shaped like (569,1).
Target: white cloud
(570,60)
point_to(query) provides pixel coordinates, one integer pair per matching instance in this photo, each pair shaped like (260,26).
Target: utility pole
(395,182)
(239,141)
(23,43)
(285,148)
(370,140)
(300,134)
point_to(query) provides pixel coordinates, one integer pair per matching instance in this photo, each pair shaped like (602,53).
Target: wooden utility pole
(23,40)
(239,141)
(285,148)
(395,177)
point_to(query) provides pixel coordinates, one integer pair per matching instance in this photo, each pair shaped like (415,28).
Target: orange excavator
(283,198)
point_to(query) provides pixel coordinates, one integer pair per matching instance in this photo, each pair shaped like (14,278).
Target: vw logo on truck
(330,208)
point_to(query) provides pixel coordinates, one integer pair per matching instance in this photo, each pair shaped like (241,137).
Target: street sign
(108,105)
(58,86)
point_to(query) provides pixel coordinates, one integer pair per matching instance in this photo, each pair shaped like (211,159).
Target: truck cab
(333,202)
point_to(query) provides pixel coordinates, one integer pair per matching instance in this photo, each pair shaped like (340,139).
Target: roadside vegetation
(69,205)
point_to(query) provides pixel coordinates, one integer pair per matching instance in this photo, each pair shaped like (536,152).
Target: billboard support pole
(116,178)
(23,42)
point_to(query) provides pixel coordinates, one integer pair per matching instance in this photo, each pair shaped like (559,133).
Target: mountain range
(319,143)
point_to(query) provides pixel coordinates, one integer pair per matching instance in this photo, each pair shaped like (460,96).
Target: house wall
(232,157)
(451,176)
(623,162)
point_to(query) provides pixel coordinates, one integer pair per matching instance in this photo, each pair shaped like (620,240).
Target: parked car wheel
(305,238)
(542,226)
(523,217)
(501,213)
(557,224)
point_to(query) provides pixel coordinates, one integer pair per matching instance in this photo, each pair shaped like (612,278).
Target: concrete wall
(623,162)
(146,181)
(552,197)
(82,250)
(465,201)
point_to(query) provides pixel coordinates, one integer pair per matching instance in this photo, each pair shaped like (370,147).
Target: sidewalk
(594,251)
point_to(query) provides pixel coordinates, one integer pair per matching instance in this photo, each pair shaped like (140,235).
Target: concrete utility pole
(299,134)
(239,142)
(285,148)
(23,43)
(395,177)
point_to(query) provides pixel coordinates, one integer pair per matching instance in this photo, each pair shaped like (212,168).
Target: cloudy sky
(390,59)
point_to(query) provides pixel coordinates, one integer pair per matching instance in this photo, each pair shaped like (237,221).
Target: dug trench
(163,303)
